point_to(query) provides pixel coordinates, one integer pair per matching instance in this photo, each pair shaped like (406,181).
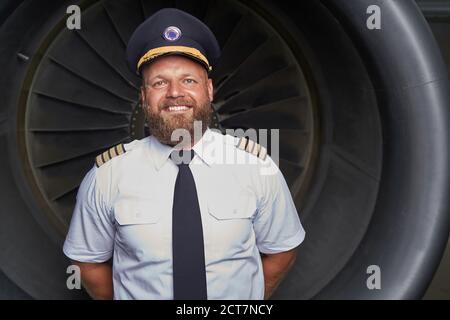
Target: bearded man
(165,217)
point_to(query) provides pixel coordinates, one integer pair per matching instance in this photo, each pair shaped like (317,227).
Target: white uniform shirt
(124,211)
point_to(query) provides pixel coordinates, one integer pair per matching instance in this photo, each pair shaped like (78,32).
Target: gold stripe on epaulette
(256,149)
(121,149)
(262,153)
(115,151)
(252,147)
(99,160)
(242,143)
(106,156)
(112,152)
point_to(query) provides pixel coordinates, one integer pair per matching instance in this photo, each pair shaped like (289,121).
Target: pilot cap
(171,31)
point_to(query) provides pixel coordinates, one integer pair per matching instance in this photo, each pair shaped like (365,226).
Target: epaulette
(109,154)
(252,147)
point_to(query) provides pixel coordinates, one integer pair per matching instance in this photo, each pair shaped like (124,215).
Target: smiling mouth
(177,109)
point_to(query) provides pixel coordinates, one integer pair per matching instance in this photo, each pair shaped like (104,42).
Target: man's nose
(174,90)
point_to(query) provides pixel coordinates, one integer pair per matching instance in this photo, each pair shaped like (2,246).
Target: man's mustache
(179,102)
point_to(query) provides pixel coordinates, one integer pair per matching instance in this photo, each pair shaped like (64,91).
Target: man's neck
(188,146)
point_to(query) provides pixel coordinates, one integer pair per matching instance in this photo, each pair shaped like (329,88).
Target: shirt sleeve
(91,233)
(277,224)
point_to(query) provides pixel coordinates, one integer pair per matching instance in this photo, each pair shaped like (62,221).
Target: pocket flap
(132,210)
(244,207)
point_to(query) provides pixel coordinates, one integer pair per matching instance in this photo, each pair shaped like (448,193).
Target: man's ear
(210,89)
(143,96)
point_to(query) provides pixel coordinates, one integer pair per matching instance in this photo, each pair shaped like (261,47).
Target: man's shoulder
(119,152)
(241,145)
(243,156)
(114,162)
(245,144)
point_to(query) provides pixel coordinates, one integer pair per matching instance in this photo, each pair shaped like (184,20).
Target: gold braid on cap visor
(153,53)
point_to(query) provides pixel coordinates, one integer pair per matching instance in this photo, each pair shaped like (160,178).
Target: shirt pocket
(135,206)
(132,210)
(241,205)
(231,219)
(143,228)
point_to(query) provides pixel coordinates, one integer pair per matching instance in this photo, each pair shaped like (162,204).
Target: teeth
(178,108)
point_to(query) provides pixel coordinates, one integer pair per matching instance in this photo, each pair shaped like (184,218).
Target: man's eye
(190,81)
(158,83)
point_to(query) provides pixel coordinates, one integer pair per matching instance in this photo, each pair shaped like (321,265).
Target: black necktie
(189,275)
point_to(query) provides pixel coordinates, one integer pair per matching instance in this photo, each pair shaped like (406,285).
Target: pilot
(170,216)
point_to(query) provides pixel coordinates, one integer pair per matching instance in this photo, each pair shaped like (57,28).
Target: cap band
(156,52)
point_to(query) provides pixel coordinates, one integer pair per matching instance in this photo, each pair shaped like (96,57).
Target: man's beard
(162,128)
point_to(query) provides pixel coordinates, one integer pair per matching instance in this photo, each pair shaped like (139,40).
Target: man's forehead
(173,64)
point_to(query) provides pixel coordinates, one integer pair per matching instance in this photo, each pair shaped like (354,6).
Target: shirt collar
(160,152)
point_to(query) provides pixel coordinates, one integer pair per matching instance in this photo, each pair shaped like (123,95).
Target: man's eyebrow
(152,78)
(183,75)
(199,77)
(188,74)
